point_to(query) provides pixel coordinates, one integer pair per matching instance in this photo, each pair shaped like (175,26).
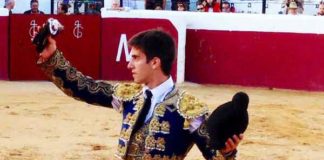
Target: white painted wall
(4,12)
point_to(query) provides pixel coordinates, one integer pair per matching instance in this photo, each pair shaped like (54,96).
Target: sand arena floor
(39,122)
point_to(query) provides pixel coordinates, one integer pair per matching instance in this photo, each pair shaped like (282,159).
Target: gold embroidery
(186,124)
(134,149)
(190,107)
(138,144)
(127,118)
(219,156)
(139,103)
(165,127)
(122,133)
(133,119)
(139,137)
(150,142)
(160,110)
(147,157)
(154,125)
(121,150)
(130,119)
(160,144)
(125,134)
(127,91)
(159,157)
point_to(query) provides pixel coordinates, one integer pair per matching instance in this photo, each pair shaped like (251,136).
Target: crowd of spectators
(63,7)
(291,7)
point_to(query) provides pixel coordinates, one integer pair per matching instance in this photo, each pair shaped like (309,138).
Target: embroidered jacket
(165,136)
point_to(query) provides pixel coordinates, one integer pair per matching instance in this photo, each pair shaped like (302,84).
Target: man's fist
(42,38)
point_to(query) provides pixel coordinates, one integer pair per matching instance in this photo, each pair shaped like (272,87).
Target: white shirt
(159,94)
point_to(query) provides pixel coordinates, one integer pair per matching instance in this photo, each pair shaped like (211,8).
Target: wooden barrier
(80,43)
(4,43)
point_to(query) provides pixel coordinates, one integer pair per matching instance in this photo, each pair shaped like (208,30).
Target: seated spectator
(158,6)
(155,4)
(181,6)
(9,4)
(292,8)
(212,6)
(321,9)
(232,9)
(226,7)
(201,5)
(34,8)
(174,4)
(63,8)
(299,3)
(115,5)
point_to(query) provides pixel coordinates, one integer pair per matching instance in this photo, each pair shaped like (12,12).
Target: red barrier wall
(283,60)
(4,47)
(112,29)
(82,52)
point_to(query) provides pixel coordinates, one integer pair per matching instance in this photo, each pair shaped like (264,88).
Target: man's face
(34,7)
(181,7)
(114,5)
(141,69)
(225,7)
(11,5)
(292,11)
(321,10)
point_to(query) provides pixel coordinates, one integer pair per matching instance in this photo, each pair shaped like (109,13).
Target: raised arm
(72,82)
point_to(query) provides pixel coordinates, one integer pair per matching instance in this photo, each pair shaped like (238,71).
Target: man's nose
(130,65)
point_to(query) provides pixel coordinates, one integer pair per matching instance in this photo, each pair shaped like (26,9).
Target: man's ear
(156,62)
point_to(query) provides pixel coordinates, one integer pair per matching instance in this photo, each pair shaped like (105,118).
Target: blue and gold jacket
(165,136)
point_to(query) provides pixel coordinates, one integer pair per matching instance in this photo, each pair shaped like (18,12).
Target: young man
(226,7)
(159,121)
(321,9)
(292,9)
(34,8)
(151,4)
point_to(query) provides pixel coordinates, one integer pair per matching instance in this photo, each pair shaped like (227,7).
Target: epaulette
(127,91)
(190,107)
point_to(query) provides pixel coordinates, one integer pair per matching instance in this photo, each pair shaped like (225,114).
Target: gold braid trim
(158,157)
(219,156)
(127,91)
(190,107)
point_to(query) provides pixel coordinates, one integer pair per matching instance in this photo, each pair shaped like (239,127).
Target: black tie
(144,111)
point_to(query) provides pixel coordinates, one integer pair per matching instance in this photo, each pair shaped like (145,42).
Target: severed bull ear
(51,28)
(228,119)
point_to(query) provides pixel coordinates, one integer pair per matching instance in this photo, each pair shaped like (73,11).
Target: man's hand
(49,49)
(231,144)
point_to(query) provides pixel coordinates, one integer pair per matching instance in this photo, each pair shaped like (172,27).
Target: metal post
(52,6)
(264,3)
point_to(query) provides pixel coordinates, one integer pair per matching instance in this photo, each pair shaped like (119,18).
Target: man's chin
(137,81)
